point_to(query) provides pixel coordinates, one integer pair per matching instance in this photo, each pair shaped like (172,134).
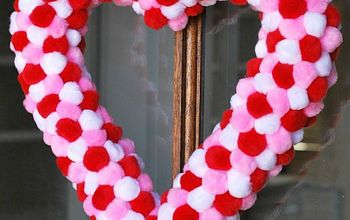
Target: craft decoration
(282,93)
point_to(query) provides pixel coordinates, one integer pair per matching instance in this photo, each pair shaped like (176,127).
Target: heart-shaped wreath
(282,93)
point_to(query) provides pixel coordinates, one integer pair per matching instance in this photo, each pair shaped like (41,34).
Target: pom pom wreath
(282,94)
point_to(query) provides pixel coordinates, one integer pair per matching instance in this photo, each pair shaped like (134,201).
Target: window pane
(135,66)
(316,184)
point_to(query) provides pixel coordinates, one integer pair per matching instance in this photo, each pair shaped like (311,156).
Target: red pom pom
(102,197)
(155,19)
(90,101)
(226,116)
(19,40)
(56,45)
(130,166)
(33,74)
(144,203)
(311,49)
(164,197)
(257,105)
(294,120)
(292,8)
(272,39)
(78,19)
(239,2)
(23,84)
(151,217)
(69,129)
(333,16)
(194,10)
(285,158)
(80,192)
(253,66)
(96,158)
(185,212)
(71,72)
(218,158)
(63,164)
(251,143)
(318,89)
(15,5)
(167,2)
(114,133)
(48,105)
(227,205)
(283,75)
(258,179)
(43,15)
(79,4)
(189,181)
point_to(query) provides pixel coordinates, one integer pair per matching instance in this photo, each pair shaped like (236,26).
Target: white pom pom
(71,93)
(176,182)
(50,123)
(288,51)
(39,121)
(133,216)
(238,184)
(115,151)
(37,91)
(267,124)
(298,98)
(73,37)
(127,189)
(228,137)
(266,160)
(173,11)
(91,183)
(271,21)
(27,6)
(263,82)
(90,120)
(53,63)
(137,8)
(62,8)
(13,23)
(36,35)
(324,65)
(236,101)
(298,136)
(261,49)
(207,3)
(200,200)
(76,150)
(189,3)
(254,3)
(197,163)
(20,62)
(166,212)
(315,23)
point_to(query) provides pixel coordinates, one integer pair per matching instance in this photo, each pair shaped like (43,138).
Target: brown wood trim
(187,97)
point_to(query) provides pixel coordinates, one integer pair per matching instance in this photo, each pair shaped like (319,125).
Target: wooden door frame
(187,92)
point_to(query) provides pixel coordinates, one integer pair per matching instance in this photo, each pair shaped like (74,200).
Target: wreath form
(282,93)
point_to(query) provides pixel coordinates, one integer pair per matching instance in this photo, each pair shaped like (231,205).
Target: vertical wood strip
(187,97)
